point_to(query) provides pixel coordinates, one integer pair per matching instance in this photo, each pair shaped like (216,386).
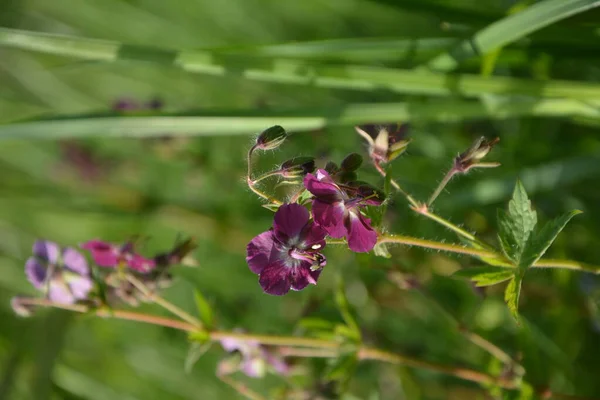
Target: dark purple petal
(290,219)
(361,237)
(258,251)
(103,253)
(302,276)
(59,292)
(75,261)
(313,236)
(321,185)
(274,279)
(36,272)
(330,217)
(46,250)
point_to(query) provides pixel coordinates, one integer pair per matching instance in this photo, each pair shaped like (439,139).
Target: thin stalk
(429,244)
(240,388)
(566,264)
(441,186)
(265,176)
(396,186)
(172,308)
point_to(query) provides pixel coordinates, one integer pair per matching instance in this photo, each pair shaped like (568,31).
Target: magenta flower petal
(290,219)
(258,251)
(36,272)
(139,263)
(361,237)
(103,253)
(321,184)
(301,277)
(314,237)
(330,217)
(48,251)
(75,261)
(275,279)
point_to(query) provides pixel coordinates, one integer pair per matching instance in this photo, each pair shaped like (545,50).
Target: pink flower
(287,256)
(337,210)
(110,255)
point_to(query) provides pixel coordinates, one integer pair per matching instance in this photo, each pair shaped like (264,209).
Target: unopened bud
(271,138)
(331,168)
(352,162)
(20,308)
(386,141)
(478,150)
(297,167)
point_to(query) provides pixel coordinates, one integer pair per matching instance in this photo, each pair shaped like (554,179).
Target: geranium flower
(110,255)
(256,358)
(339,214)
(63,275)
(288,255)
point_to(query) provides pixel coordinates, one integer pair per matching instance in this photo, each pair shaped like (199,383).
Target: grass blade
(287,71)
(244,122)
(510,29)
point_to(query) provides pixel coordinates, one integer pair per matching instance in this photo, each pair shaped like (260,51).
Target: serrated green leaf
(204,309)
(540,241)
(196,350)
(485,276)
(511,295)
(516,225)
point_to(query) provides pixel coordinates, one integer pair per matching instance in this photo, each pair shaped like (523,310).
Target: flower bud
(352,162)
(386,141)
(331,168)
(20,308)
(271,138)
(297,167)
(478,150)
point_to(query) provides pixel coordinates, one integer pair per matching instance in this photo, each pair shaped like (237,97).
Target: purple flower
(337,211)
(255,359)
(64,275)
(287,256)
(109,255)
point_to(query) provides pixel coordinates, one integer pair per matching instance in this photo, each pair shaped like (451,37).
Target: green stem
(172,308)
(441,186)
(429,244)
(265,176)
(566,264)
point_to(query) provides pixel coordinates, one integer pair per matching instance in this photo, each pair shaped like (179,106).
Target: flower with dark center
(338,211)
(110,255)
(63,275)
(386,142)
(288,255)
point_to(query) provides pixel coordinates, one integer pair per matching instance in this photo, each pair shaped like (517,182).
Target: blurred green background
(72,190)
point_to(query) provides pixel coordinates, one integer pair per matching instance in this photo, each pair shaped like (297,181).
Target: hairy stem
(441,186)
(429,244)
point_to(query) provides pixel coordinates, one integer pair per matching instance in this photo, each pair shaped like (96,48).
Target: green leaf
(205,311)
(540,241)
(485,276)
(510,29)
(515,227)
(511,295)
(342,368)
(353,332)
(196,350)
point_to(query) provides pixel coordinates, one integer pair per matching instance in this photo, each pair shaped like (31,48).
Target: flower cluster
(65,276)
(331,202)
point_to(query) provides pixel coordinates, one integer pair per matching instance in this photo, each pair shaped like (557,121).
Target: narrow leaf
(196,350)
(353,332)
(205,311)
(485,276)
(511,295)
(510,29)
(540,241)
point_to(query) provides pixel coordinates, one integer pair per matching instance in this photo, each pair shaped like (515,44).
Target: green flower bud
(271,138)
(297,167)
(352,162)
(478,150)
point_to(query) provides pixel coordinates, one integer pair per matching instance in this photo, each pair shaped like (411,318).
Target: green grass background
(194,185)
